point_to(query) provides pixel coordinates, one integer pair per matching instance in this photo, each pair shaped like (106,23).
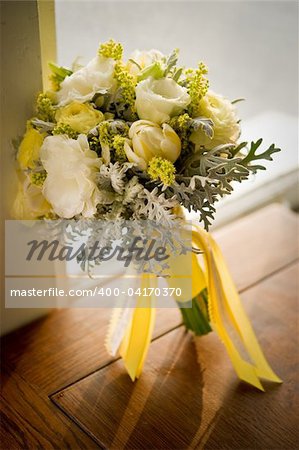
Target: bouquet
(144,139)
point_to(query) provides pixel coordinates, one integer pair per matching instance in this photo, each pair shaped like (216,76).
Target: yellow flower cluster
(38,178)
(111,49)
(126,82)
(181,125)
(162,169)
(44,107)
(64,128)
(118,145)
(198,86)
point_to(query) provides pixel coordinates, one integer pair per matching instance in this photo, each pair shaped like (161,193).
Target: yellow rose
(29,148)
(30,204)
(223,114)
(149,140)
(81,117)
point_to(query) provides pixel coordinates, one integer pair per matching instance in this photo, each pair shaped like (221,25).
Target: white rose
(82,85)
(149,140)
(223,114)
(158,100)
(143,59)
(71,171)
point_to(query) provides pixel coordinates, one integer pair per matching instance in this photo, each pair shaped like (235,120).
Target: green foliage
(154,70)
(196,194)
(217,165)
(208,175)
(58,75)
(153,205)
(251,156)
(171,61)
(184,125)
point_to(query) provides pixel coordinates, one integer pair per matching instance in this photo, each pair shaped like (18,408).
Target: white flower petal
(158,100)
(71,169)
(81,86)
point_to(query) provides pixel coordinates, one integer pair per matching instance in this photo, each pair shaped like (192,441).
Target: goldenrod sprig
(65,129)
(197,85)
(38,178)
(118,144)
(111,49)
(44,108)
(126,83)
(161,169)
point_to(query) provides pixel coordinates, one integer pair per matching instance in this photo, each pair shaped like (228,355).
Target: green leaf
(205,124)
(136,63)
(171,61)
(59,73)
(237,100)
(154,70)
(177,74)
(252,156)
(235,151)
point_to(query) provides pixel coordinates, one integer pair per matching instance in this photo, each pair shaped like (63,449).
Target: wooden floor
(60,389)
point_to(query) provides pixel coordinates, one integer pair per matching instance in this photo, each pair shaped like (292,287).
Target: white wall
(251,48)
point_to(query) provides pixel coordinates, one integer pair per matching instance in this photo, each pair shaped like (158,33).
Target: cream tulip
(149,140)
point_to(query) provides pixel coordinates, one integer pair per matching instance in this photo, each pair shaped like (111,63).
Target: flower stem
(196,319)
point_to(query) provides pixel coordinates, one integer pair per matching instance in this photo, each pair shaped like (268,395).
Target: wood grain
(68,344)
(189,396)
(260,244)
(31,421)
(178,401)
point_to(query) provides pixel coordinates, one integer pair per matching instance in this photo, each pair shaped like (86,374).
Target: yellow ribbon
(137,338)
(225,312)
(225,301)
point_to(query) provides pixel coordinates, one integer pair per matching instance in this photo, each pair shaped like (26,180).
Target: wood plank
(65,346)
(259,244)
(188,395)
(68,344)
(29,421)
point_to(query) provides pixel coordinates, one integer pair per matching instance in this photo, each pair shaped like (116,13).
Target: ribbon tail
(136,341)
(225,305)
(242,323)
(119,320)
(117,328)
